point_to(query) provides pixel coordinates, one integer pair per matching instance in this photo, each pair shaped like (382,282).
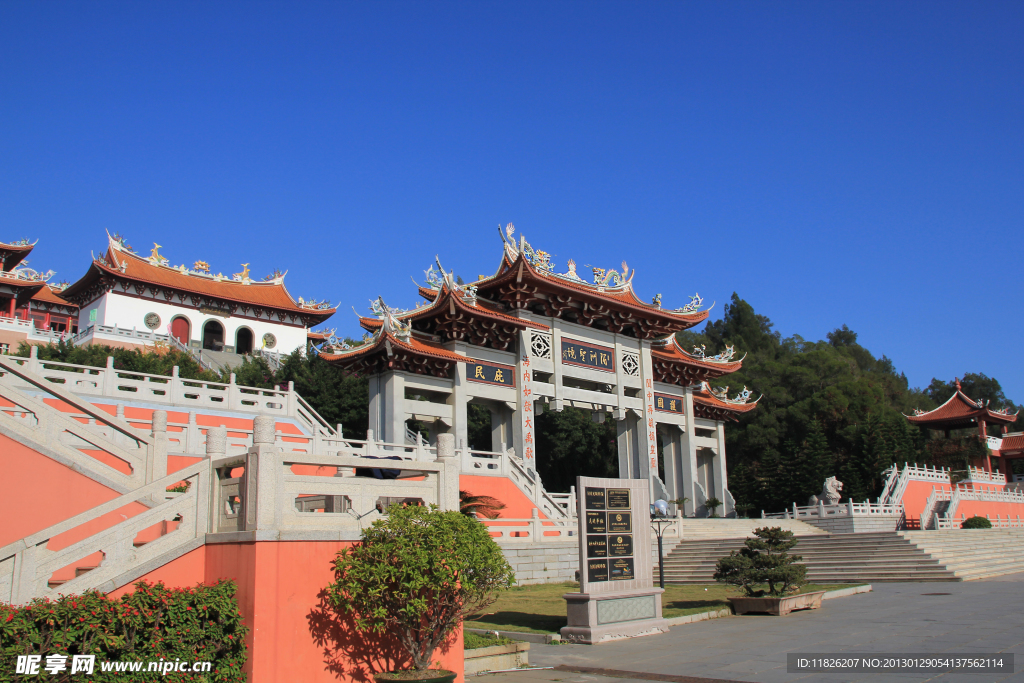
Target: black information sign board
(620,545)
(597,546)
(622,569)
(597,570)
(595,498)
(618,522)
(618,499)
(596,522)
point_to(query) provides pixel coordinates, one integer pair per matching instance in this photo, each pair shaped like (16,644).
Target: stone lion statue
(831,492)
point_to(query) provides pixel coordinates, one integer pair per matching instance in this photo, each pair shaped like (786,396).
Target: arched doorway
(213,336)
(243,340)
(181,330)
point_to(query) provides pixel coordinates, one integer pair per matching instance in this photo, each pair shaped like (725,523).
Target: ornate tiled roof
(52,295)
(456,313)
(1012,444)
(122,267)
(714,403)
(526,279)
(394,346)
(11,253)
(673,365)
(959,412)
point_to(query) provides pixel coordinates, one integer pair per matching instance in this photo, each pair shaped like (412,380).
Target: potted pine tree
(769,576)
(415,575)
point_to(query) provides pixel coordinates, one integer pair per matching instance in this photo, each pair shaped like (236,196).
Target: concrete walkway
(897,618)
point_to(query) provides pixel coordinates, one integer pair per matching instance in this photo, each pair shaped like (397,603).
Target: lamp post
(659,512)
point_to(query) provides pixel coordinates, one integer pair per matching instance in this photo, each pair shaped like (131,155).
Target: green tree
(764,562)
(417,573)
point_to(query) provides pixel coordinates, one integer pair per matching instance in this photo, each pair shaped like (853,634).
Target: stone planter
(497,657)
(779,607)
(425,676)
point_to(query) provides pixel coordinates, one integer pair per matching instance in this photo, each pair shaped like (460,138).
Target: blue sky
(834,163)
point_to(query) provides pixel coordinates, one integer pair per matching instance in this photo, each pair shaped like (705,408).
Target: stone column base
(601,618)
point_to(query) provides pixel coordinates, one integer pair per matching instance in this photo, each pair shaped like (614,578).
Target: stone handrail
(27,565)
(975,474)
(849,508)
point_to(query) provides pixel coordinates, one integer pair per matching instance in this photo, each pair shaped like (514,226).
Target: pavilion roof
(714,403)
(960,412)
(673,365)
(11,253)
(1013,444)
(124,268)
(455,313)
(51,294)
(394,346)
(526,279)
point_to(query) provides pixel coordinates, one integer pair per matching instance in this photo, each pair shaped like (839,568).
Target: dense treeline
(828,407)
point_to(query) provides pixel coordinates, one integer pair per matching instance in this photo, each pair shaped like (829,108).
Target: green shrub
(976,522)
(416,575)
(764,562)
(474,641)
(200,624)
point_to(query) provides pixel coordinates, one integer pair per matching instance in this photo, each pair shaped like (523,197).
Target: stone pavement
(897,618)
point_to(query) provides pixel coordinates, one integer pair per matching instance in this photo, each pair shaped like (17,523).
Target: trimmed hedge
(976,522)
(197,624)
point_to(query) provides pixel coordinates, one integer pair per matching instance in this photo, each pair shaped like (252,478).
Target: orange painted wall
(280,588)
(915,496)
(517,505)
(970,508)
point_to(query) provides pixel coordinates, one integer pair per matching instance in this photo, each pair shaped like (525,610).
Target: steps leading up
(708,528)
(973,553)
(839,558)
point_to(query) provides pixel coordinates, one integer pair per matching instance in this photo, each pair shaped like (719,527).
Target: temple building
(127,299)
(528,339)
(963,412)
(31,309)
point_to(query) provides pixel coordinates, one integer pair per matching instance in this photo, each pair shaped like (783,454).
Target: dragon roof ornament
(722,394)
(23,272)
(23,242)
(727,356)
(314,305)
(392,325)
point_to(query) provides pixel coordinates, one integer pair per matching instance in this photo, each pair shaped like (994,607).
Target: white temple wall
(128,312)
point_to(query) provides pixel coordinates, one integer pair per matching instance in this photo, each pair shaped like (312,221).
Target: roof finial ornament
(657,299)
(201,267)
(243,276)
(956,381)
(154,256)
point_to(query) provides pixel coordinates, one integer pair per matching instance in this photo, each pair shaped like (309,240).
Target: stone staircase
(973,553)
(699,529)
(840,558)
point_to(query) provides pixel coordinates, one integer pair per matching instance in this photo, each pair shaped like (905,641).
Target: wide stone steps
(973,553)
(841,558)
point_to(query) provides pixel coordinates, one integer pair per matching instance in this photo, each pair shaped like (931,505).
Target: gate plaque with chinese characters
(617,597)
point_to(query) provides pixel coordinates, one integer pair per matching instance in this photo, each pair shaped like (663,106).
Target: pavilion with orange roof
(962,412)
(528,339)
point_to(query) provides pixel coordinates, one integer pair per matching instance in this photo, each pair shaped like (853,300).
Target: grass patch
(473,641)
(541,609)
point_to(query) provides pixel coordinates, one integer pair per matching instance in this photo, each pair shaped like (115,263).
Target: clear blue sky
(834,163)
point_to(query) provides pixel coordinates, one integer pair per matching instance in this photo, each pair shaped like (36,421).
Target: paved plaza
(898,618)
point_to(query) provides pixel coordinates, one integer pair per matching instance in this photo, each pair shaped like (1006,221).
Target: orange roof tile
(125,265)
(958,412)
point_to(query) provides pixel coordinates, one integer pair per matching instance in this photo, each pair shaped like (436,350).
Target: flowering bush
(200,624)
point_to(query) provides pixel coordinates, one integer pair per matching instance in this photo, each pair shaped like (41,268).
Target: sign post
(617,597)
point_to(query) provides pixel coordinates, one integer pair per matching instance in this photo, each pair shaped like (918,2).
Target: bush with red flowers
(200,624)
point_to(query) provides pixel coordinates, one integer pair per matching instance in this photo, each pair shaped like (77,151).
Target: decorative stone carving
(217,441)
(445,446)
(831,492)
(264,429)
(159,421)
